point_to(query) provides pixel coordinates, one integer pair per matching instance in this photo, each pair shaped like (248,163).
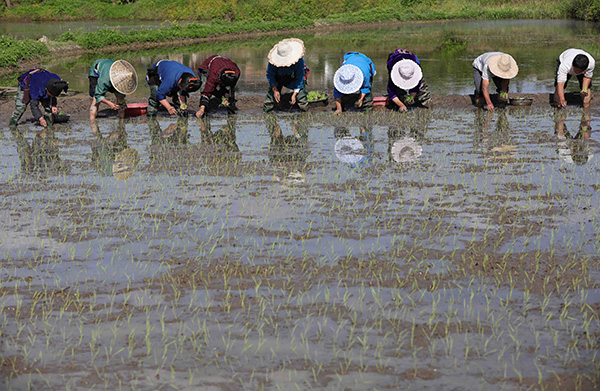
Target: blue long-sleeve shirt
(295,72)
(169,73)
(38,78)
(366,66)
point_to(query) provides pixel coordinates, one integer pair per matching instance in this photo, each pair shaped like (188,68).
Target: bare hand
(54,110)
(338,112)
(114,106)
(489,107)
(200,112)
(293,100)
(277,96)
(172,110)
(359,103)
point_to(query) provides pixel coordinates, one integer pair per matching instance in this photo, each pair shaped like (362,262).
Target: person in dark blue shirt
(170,79)
(285,74)
(38,86)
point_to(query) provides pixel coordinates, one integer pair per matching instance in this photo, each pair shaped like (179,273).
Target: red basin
(134,109)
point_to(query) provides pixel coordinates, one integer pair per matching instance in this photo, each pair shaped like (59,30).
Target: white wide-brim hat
(406,74)
(348,79)
(286,52)
(503,66)
(123,77)
(349,150)
(406,150)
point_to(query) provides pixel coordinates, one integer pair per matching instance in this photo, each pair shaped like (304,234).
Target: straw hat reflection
(123,77)
(125,163)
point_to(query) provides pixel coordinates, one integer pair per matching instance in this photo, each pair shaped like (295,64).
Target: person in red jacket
(222,75)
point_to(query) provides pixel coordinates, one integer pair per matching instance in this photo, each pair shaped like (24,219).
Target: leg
(152,102)
(94,110)
(479,101)
(122,104)
(367,104)
(423,97)
(270,102)
(19,108)
(302,100)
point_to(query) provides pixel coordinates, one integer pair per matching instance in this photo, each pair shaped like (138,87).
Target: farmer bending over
(574,62)
(38,86)
(170,79)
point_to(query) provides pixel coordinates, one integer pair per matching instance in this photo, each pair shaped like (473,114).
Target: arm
(338,106)
(399,103)
(559,95)
(34,105)
(485,84)
(168,106)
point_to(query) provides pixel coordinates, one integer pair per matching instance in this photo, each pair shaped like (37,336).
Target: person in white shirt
(574,62)
(497,66)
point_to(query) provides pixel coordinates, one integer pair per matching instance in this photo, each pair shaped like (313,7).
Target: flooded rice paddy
(430,250)
(446,249)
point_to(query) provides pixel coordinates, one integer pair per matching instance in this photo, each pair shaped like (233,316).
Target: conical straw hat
(123,77)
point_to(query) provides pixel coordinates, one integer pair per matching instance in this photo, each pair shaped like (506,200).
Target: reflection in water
(496,145)
(573,149)
(290,148)
(404,142)
(288,153)
(220,146)
(175,133)
(110,154)
(41,157)
(355,151)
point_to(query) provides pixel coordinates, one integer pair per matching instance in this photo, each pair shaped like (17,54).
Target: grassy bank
(226,17)
(233,10)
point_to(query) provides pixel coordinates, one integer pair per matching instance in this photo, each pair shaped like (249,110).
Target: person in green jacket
(118,77)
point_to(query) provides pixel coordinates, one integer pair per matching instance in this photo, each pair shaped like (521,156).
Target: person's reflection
(42,156)
(110,155)
(496,145)
(573,149)
(288,153)
(404,146)
(355,151)
(219,146)
(175,133)
(290,148)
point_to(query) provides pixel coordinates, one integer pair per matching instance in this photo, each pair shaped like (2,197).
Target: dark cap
(190,83)
(56,86)
(229,78)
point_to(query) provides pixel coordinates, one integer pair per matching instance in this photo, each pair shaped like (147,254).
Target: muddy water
(534,44)
(385,250)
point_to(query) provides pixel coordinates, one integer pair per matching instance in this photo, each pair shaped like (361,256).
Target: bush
(13,50)
(585,10)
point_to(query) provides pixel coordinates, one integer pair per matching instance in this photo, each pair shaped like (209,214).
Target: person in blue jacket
(352,82)
(170,79)
(38,86)
(285,74)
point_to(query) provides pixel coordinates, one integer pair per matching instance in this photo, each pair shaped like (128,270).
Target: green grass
(13,50)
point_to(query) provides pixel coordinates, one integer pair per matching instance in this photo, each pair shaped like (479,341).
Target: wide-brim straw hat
(406,150)
(348,79)
(406,74)
(123,77)
(286,52)
(125,163)
(503,66)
